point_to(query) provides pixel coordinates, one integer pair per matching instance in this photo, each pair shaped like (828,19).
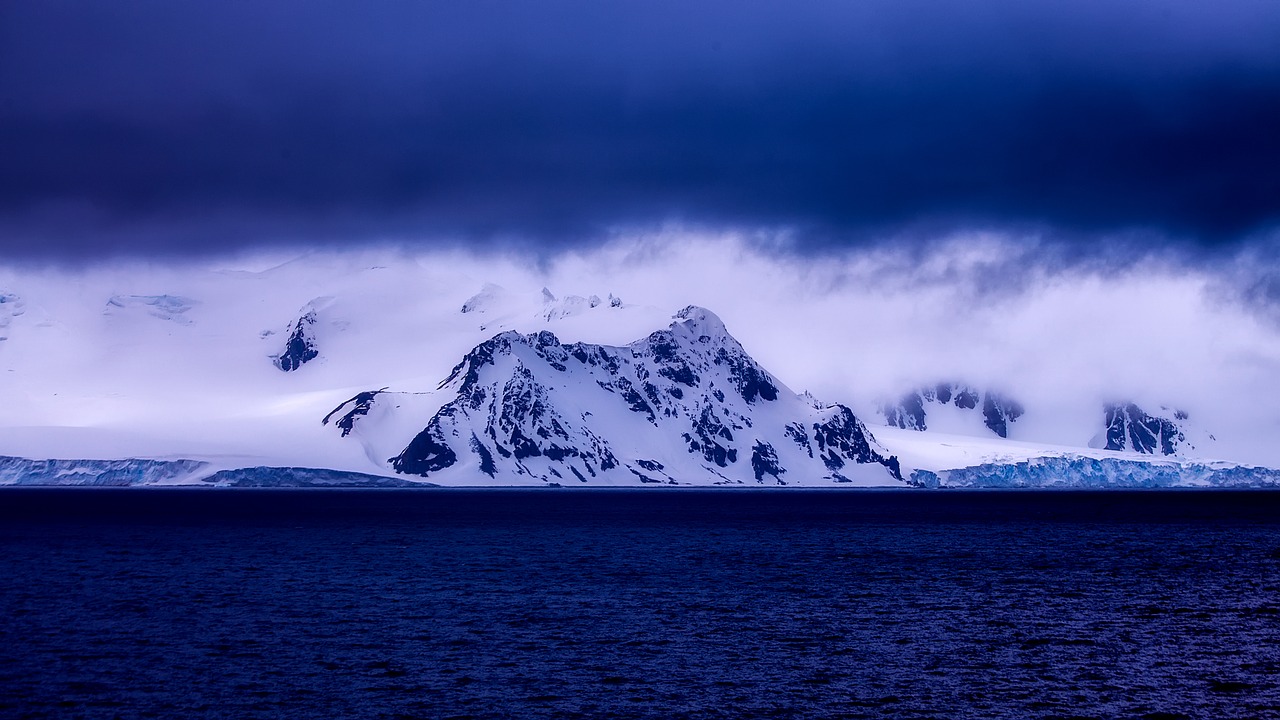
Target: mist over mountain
(185,360)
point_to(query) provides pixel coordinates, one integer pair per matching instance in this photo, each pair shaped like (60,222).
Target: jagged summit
(683,405)
(489,295)
(701,322)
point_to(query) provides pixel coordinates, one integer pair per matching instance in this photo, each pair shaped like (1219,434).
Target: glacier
(112,473)
(134,472)
(1088,472)
(1067,472)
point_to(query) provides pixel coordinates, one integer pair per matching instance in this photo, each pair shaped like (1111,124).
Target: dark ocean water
(638,604)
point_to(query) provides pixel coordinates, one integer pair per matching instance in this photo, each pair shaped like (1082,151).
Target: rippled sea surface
(638,604)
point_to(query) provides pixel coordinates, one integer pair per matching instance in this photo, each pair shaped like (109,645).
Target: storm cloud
(156,127)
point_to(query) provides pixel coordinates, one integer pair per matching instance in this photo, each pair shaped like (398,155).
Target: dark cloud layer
(180,127)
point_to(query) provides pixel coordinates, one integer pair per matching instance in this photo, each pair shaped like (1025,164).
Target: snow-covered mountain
(683,405)
(110,375)
(171,308)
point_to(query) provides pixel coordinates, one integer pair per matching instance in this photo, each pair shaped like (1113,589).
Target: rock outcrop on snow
(911,411)
(1128,427)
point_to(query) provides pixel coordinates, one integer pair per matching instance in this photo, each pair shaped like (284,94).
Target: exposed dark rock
(300,346)
(910,412)
(681,374)
(486,458)
(751,382)
(966,399)
(356,408)
(943,393)
(426,453)
(644,478)
(634,400)
(843,437)
(764,461)
(1129,428)
(707,436)
(998,411)
(797,433)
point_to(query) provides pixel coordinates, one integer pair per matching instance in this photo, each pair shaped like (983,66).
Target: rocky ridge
(685,404)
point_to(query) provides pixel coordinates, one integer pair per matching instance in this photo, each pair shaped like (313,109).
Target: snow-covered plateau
(390,371)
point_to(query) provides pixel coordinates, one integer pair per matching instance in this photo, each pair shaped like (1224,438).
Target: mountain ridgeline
(684,405)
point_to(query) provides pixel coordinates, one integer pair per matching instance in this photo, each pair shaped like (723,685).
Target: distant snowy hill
(954,406)
(1128,427)
(496,307)
(959,409)
(173,308)
(684,405)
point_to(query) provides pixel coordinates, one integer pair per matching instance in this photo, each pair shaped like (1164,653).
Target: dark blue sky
(184,127)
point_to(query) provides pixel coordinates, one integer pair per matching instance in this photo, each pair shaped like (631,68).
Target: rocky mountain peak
(699,322)
(682,405)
